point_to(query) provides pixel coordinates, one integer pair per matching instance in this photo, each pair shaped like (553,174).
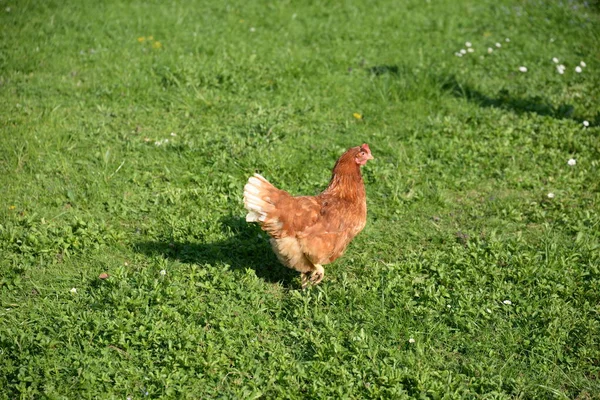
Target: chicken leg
(314,277)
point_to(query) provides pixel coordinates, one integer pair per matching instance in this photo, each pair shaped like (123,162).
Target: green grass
(497,285)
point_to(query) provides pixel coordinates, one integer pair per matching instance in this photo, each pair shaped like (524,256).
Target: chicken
(308,232)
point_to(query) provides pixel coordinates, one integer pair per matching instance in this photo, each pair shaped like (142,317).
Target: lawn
(128,130)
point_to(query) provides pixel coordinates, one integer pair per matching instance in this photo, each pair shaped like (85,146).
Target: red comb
(366,147)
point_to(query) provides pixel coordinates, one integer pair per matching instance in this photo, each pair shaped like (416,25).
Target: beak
(366,148)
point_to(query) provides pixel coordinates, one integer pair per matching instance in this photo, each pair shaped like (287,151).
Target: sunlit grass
(129,130)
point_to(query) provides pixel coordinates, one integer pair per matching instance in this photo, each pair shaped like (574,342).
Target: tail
(257,200)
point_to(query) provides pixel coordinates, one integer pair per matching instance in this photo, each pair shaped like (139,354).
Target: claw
(317,276)
(314,277)
(304,280)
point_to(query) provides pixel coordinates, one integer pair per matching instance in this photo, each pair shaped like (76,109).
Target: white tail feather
(262,178)
(252,217)
(254,181)
(252,202)
(251,189)
(252,198)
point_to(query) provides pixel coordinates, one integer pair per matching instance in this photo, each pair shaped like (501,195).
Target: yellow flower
(150,38)
(12,207)
(157,45)
(141,39)
(358,116)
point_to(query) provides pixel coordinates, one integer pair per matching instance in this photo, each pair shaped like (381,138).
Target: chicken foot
(314,277)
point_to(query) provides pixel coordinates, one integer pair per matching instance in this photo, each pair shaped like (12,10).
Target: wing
(294,215)
(277,212)
(337,224)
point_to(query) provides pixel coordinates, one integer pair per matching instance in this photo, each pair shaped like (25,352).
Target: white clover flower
(173,134)
(411,340)
(161,142)
(550,195)
(572,162)
(586,123)
(507,302)
(468,44)
(73,290)
(470,50)
(555,60)
(458,54)
(507,40)
(252,29)
(583,64)
(163,272)
(449,306)
(561,69)
(498,45)
(490,49)
(463,51)
(578,69)
(523,69)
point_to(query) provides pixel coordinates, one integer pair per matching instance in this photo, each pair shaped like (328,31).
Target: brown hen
(308,232)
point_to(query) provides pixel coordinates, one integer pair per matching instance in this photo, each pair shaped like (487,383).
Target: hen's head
(351,161)
(362,154)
